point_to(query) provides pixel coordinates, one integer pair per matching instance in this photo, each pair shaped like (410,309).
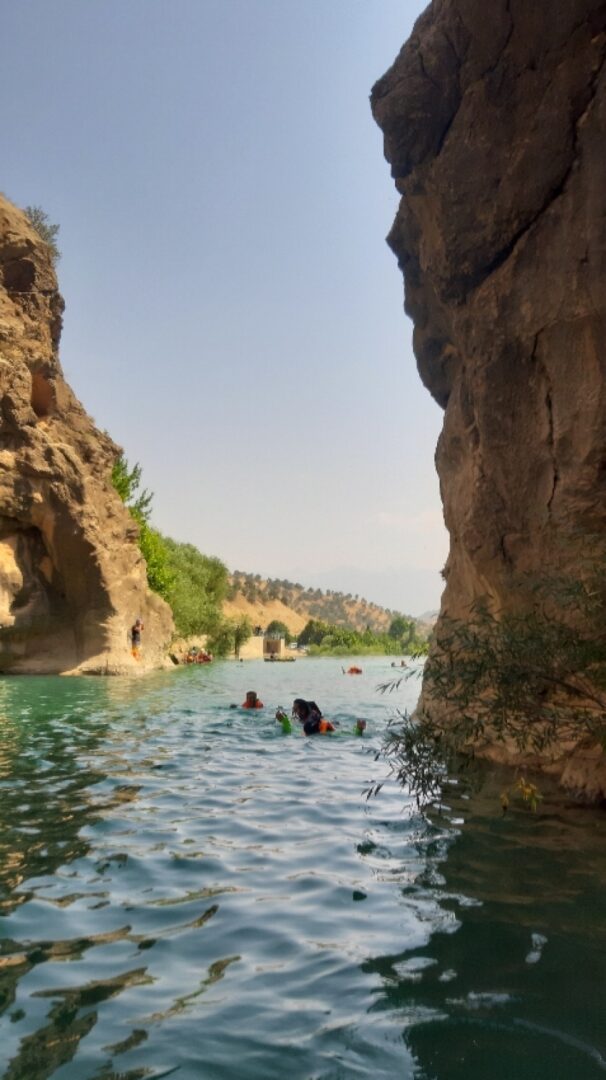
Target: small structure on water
(274,649)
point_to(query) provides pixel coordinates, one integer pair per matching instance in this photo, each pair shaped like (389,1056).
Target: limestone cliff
(494,119)
(72,579)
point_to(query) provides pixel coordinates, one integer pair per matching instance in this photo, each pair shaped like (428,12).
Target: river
(185,891)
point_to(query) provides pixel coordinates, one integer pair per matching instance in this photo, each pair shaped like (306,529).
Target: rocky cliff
(72,580)
(494,119)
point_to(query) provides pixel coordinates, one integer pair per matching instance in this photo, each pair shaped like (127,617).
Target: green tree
(403,630)
(49,232)
(242,632)
(198,587)
(153,549)
(277,628)
(151,544)
(229,636)
(535,680)
(127,482)
(314,632)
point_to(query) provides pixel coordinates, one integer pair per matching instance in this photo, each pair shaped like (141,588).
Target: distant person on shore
(135,638)
(310,715)
(252,701)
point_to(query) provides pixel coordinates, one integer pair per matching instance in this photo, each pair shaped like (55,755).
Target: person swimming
(283,719)
(252,701)
(310,715)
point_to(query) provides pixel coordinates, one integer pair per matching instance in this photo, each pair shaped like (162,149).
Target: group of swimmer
(197,656)
(307,713)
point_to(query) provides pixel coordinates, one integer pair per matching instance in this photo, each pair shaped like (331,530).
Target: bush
(536,681)
(45,229)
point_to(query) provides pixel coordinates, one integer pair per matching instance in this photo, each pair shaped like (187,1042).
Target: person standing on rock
(135,638)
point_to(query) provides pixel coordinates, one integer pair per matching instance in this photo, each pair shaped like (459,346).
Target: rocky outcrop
(72,579)
(495,129)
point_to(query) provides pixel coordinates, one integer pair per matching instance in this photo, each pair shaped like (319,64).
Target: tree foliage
(152,546)
(127,482)
(229,635)
(403,630)
(278,629)
(198,587)
(45,229)
(153,549)
(534,680)
(328,639)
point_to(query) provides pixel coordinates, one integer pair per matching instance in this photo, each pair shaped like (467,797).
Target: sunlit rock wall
(494,118)
(72,580)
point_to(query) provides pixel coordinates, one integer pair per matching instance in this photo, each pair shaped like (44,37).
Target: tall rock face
(72,580)
(494,119)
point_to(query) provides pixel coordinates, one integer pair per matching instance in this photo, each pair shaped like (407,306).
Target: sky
(233,314)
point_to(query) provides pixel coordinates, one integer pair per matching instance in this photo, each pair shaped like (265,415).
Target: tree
(403,630)
(198,588)
(314,632)
(45,229)
(151,544)
(278,629)
(242,632)
(229,636)
(126,482)
(153,549)
(535,680)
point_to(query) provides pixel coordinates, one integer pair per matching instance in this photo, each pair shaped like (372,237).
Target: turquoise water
(186,892)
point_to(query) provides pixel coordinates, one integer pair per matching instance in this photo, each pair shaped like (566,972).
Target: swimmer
(310,715)
(252,701)
(283,719)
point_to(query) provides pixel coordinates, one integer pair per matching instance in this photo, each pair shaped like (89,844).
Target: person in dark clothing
(135,638)
(310,715)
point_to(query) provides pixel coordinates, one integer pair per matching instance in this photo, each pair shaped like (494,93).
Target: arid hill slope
(266,599)
(72,579)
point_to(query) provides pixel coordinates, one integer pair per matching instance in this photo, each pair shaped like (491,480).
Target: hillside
(264,600)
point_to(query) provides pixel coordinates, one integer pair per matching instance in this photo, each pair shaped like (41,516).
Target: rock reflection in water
(516,984)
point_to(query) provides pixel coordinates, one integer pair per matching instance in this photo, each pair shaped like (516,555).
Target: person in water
(310,715)
(252,701)
(284,721)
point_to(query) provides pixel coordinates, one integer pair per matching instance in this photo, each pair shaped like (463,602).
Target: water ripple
(186,891)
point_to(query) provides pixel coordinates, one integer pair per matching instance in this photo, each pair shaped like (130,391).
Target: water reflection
(185,890)
(70,1019)
(44,792)
(513,979)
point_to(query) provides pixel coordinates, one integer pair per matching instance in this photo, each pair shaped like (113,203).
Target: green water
(187,892)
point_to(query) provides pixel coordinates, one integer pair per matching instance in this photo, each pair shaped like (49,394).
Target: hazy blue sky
(234,316)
